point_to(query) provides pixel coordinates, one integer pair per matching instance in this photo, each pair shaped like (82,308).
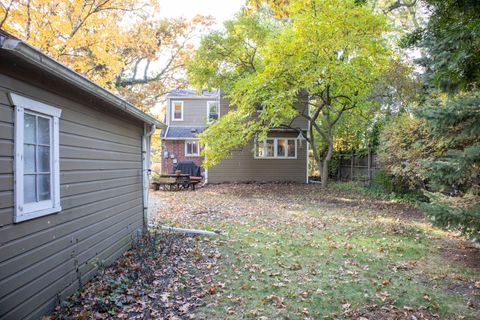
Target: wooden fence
(358,168)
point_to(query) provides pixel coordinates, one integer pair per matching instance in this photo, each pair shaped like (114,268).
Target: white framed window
(37,166)
(177,110)
(276,148)
(213,111)
(192,148)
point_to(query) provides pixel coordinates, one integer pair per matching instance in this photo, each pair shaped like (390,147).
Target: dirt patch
(462,252)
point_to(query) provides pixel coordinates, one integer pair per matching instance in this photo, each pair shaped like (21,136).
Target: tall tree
(326,53)
(120,44)
(446,156)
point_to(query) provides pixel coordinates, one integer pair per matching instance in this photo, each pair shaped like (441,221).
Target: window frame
(275,149)
(208,111)
(29,211)
(173,109)
(198,148)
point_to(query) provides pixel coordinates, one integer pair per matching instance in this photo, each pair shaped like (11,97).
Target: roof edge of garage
(34,56)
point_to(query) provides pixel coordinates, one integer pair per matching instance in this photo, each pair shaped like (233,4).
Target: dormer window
(212,111)
(177,110)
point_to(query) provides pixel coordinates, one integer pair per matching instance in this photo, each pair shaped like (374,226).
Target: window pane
(212,111)
(29,158)
(269,148)
(281,147)
(259,151)
(43,159)
(29,128)
(43,130)
(29,189)
(291,148)
(213,108)
(192,148)
(177,113)
(43,181)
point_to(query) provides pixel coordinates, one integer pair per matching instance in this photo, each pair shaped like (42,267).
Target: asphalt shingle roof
(182,132)
(185,92)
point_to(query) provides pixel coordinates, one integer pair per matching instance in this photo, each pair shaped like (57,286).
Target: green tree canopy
(325,53)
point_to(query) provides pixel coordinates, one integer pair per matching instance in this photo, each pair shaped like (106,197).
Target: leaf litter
(174,276)
(163,276)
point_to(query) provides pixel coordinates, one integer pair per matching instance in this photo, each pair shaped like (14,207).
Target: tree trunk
(326,161)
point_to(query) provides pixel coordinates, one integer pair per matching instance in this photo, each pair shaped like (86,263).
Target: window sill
(36,214)
(275,158)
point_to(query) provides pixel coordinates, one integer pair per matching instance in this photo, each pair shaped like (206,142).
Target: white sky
(221,10)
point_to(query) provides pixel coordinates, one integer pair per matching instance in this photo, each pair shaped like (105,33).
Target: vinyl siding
(243,167)
(101,199)
(194,112)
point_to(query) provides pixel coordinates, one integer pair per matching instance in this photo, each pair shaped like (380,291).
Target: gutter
(50,65)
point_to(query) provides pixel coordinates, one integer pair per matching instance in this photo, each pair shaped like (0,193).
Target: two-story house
(282,157)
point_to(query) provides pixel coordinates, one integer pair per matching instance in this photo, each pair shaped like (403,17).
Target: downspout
(146,139)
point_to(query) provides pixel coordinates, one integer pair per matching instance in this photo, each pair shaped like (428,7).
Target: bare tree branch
(7,11)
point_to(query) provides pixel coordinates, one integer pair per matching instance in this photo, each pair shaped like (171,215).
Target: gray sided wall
(43,259)
(243,167)
(194,112)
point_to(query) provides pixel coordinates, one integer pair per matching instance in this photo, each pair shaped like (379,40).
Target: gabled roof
(182,132)
(33,56)
(184,93)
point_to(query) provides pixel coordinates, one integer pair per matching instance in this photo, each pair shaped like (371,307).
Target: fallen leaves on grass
(161,277)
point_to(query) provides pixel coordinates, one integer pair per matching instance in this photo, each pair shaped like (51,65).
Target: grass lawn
(302,252)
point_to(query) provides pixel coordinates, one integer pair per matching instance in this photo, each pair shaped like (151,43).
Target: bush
(460,213)
(404,143)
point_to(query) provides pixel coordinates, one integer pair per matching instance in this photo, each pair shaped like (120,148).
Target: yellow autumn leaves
(106,40)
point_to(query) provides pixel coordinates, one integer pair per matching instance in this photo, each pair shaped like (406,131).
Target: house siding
(194,111)
(44,259)
(243,167)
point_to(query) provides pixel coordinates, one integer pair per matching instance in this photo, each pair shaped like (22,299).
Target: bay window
(276,148)
(37,180)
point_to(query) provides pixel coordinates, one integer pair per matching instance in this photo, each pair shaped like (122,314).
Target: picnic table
(174,182)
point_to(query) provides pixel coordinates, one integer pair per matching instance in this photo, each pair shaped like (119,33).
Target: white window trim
(173,109)
(208,111)
(198,148)
(275,148)
(30,211)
